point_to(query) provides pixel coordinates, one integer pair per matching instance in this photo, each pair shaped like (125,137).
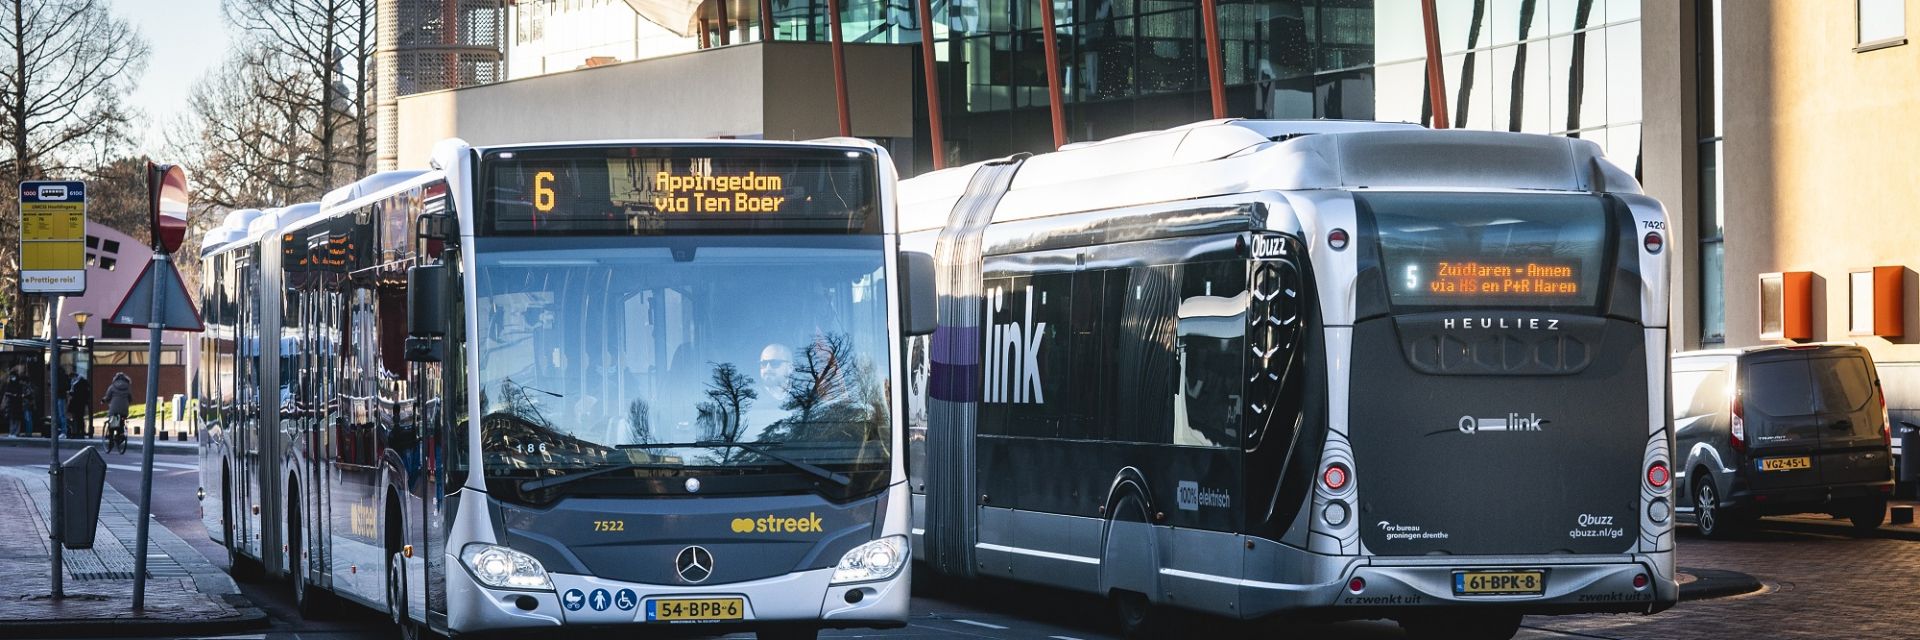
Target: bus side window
(1146,355)
(1211,343)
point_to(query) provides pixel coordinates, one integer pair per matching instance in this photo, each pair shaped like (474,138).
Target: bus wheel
(1478,626)
(310,602)
(242,568)
(403,624)
(787,633)
(1138,617)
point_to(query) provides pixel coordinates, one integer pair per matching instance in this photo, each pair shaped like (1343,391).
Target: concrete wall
(1819,157)
(781,90)
(1820,162)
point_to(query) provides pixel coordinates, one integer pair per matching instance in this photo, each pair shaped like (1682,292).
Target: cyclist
(119,395)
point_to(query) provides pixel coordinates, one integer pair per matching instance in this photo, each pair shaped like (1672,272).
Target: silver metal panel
(1334,271)
(1650,217)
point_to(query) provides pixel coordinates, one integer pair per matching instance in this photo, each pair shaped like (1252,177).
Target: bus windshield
(658,354)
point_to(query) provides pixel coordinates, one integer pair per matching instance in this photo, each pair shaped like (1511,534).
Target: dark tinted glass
(1843,382)
(1780,388)
(1444,250)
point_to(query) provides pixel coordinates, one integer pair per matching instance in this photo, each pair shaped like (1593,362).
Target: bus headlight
(497,566)
(876,560)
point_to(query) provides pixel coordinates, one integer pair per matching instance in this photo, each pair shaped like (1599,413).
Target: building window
(1711,222)
(108,263)
(1882,23)
(110,246)
(1860,303)
(93,242)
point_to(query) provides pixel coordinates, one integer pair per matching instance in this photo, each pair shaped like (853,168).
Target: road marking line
(981,624)
(176,465)
(123,467)
(1063,638)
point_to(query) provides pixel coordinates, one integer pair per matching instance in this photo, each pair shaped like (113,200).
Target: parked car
(1777,430)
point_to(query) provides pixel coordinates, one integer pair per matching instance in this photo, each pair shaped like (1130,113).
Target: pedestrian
(13,394)
(119,395)
(79,392)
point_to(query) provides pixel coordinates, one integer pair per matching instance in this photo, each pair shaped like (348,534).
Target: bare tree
(67,66)
(729,395)
(251,137)
(639,423)
(289,117)
(820,376)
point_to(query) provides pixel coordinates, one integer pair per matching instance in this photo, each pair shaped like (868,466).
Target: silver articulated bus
(1323,369)
(598,385)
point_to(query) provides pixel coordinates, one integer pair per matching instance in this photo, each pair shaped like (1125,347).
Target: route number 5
(542,193)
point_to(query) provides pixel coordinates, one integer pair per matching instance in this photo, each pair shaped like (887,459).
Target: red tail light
(1657,475)
(1335,477)
(1886,421)
(1737,436)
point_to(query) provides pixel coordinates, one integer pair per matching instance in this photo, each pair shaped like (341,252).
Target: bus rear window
(1449,250)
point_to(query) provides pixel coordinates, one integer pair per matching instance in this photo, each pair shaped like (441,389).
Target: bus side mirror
(919,303)
(426,311)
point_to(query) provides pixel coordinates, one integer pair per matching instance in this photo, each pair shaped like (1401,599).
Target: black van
(1780,429)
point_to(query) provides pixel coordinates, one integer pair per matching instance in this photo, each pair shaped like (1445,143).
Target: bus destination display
(655,190)
(1476,278)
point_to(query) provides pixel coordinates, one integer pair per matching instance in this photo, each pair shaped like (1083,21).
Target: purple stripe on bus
(955,382)
(956,345)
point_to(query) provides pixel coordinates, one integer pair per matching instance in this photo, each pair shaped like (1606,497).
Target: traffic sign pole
(152,410)
(54,498)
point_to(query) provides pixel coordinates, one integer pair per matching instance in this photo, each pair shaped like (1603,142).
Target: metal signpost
(53,263)
(166,306)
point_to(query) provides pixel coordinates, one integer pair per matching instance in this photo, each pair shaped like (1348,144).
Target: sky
(185,38)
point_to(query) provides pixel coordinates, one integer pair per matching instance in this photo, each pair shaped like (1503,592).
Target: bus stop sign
(53,233)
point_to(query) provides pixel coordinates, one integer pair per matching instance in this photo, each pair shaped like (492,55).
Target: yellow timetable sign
(53,233)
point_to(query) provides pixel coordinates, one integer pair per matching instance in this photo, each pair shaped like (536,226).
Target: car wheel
(1868,516)
(1714,522)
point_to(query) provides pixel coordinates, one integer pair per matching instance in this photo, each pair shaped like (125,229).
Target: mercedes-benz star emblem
(694,564)
(693,485)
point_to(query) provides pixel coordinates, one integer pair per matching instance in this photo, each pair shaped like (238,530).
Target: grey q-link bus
(599,385)
(1322,369)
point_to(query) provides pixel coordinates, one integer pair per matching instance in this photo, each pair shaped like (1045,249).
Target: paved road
(1818,586)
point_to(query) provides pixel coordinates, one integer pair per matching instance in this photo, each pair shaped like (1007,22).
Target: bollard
(1902,515)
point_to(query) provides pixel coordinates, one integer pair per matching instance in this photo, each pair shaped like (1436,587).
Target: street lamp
(80,319)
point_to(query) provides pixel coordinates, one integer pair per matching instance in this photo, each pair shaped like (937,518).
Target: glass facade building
(1569,67)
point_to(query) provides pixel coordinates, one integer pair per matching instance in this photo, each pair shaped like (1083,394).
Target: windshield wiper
(810,469)
(542,483)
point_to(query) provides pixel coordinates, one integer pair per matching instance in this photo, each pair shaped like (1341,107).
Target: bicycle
(116,433)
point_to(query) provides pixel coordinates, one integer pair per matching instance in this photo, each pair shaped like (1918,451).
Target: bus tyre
(1138,617)
(787,633)
(1713,521)
(404,627)
(1477,626)
(1867,516)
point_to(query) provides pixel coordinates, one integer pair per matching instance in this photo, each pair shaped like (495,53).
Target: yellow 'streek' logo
(775,524)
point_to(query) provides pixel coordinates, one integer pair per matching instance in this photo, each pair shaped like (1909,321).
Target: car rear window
(1780,388)
(1843,382)
(1699,393)
(1800,387)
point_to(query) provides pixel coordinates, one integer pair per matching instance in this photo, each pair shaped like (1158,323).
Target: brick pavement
(182,587)
(1817,586)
